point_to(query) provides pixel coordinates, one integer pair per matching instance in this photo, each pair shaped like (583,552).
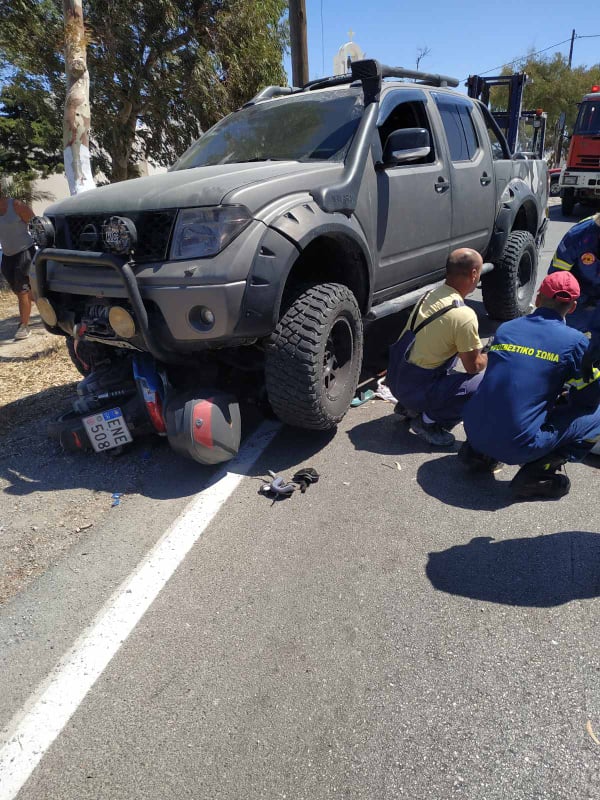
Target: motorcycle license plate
(107,429)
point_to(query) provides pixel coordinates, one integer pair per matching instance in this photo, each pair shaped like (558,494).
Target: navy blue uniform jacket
(530,360)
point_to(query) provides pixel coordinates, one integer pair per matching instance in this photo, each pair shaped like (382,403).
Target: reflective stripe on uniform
(579,383)
(558,263)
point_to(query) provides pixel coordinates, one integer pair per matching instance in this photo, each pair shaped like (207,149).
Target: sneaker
(478,462)
(540,479)
(431,432)
(23,332)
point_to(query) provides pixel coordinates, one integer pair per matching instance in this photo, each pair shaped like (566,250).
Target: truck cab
(580,178)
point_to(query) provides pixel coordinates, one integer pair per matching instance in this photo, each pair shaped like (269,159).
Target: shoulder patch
(587,258)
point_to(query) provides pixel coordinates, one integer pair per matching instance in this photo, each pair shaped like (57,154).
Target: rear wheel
(69,430)
(314,357)
(508,290)
(567,201)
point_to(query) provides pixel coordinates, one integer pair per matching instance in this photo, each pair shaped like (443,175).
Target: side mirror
(406,145)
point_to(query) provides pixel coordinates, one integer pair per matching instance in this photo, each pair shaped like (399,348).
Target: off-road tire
(314,356)
(567,202)
(509,288)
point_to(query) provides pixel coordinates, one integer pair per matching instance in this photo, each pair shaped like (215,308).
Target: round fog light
(121,322)
(201,318)
(42,231)
(207,317)
(47,312)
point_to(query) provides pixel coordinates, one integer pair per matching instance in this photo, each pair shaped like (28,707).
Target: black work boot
(404,414)
(541,479)
(477,462)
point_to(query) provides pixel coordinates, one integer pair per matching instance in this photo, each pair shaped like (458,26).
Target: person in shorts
(17,253)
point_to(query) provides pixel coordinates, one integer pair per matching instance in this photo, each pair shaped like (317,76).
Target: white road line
(36,726)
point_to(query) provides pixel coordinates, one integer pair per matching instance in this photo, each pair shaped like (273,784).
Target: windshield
(588,119)
(313,126)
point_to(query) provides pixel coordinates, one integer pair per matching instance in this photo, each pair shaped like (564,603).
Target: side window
(497,149)
(411,114)
(469,131)
(454,133)
(459,127)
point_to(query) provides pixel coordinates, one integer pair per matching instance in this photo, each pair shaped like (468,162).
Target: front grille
(588,162)
(84,232)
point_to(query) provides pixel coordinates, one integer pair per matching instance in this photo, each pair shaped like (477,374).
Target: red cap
(560,285)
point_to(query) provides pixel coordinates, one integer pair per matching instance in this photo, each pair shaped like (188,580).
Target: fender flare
(283,243)
(516,197)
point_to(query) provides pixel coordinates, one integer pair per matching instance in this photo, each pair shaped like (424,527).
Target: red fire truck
(580,177)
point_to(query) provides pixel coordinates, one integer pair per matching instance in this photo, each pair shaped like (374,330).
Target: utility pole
(297,10)
(561,131)
(571,49)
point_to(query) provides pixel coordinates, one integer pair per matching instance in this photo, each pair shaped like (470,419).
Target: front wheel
(567,201)
(314,356)
(87,355)
(508,289)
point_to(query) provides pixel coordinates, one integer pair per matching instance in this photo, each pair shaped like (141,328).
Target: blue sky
(464,37)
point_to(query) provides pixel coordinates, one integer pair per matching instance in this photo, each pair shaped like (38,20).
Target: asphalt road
(400,630)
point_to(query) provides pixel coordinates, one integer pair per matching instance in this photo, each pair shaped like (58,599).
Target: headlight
(570,180)
(202,232)
(42,231)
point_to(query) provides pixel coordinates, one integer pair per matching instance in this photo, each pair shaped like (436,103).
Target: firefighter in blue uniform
(579,254)
(521,413)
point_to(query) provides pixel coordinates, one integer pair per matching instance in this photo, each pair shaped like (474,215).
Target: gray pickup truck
(290,223)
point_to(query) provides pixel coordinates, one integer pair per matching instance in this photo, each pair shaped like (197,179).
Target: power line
(528,55)
(538,52)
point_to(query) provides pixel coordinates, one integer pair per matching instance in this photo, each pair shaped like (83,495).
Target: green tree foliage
(161,71)
(553,87)
(30,128)
(20,186)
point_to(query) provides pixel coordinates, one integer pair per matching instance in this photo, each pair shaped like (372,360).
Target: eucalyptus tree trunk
(76,121)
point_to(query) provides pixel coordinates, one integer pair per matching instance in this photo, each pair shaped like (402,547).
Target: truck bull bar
(122,267)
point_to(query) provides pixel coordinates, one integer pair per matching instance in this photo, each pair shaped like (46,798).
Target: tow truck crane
(525,131)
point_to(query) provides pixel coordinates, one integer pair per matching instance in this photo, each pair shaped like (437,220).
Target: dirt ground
(34,372)
(48,499)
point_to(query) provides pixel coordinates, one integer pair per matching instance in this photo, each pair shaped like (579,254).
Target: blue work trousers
(566,431)
(441,393)
(570,430)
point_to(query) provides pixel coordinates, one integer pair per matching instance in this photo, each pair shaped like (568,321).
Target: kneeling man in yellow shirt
(440,330)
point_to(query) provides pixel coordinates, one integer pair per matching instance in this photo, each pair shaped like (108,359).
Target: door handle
(441,184)
(485,179)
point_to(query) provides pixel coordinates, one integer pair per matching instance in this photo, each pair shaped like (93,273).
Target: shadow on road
(580,212)
(388,436)
(448,481)
(30,462)
(539,571)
